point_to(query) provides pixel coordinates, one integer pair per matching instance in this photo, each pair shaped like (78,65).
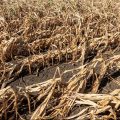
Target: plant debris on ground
(79,41)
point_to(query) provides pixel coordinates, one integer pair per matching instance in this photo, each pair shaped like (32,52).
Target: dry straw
(37,34)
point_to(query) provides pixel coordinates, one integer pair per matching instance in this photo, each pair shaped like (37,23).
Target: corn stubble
(36,34)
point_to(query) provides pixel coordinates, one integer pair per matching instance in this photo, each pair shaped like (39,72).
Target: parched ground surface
(60,60)
(107,86)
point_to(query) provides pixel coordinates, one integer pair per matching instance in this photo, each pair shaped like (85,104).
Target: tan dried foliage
(36,34)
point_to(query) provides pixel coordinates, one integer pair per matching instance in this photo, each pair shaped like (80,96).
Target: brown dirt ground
(47,73)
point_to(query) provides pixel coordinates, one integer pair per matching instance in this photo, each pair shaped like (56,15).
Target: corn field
(74,45)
